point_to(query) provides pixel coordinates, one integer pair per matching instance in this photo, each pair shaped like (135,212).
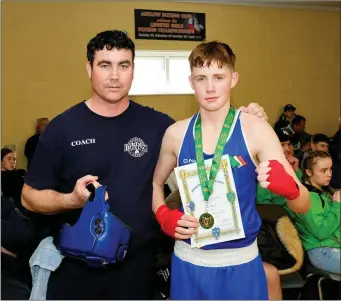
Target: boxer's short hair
(208,52)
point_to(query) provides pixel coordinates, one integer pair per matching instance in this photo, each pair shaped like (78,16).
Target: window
(161,72)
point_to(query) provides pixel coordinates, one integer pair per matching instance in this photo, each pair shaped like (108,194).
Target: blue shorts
(236,274)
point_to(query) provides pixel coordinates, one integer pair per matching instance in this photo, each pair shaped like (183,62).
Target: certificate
(222,204)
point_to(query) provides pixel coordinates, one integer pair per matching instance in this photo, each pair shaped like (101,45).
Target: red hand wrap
(168,219)
(281,182)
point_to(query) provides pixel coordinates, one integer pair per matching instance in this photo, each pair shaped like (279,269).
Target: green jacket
(265,196)
(320,226)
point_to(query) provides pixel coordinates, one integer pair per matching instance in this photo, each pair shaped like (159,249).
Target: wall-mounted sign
(169,25)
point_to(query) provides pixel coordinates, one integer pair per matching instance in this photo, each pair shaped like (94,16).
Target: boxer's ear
(235,77)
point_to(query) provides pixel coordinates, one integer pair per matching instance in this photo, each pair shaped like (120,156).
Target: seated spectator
(12,179)
(285,118)
(296,125)
(16,235)
(335,153)
(291,149)
(319,228)
(318,142)
(32,142)
(300,139)
(264,196)
(8,159)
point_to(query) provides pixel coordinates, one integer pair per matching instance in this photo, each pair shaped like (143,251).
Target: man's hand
(255,109)
(294,162)
(81,194)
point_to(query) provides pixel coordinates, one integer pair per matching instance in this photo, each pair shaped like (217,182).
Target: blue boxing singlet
(245,178)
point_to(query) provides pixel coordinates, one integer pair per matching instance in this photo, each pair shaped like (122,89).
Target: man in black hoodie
(285,118)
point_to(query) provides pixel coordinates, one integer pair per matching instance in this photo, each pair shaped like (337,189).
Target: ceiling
(320,5)
(312,3)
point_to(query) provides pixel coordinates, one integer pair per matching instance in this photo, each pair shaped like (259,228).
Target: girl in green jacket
(319,228)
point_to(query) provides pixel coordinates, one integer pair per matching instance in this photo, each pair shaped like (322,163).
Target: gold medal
(206,220)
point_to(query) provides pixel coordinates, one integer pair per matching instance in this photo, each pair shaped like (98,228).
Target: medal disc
(206,220)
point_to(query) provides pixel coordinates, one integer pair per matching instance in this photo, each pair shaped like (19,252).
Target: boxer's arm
(173,222)
(264,143)
(166,163)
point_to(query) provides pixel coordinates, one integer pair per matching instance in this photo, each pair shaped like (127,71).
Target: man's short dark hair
(297,120)
(320,138)
(109,39)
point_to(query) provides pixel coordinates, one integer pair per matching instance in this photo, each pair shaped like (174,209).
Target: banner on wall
(169,25)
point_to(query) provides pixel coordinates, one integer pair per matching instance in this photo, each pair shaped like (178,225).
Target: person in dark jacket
(285,118)
(20,236)
(17,233)
(299,137)
(12,179)
(32,142)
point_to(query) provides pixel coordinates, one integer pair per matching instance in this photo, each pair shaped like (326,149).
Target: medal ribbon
(207,184)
